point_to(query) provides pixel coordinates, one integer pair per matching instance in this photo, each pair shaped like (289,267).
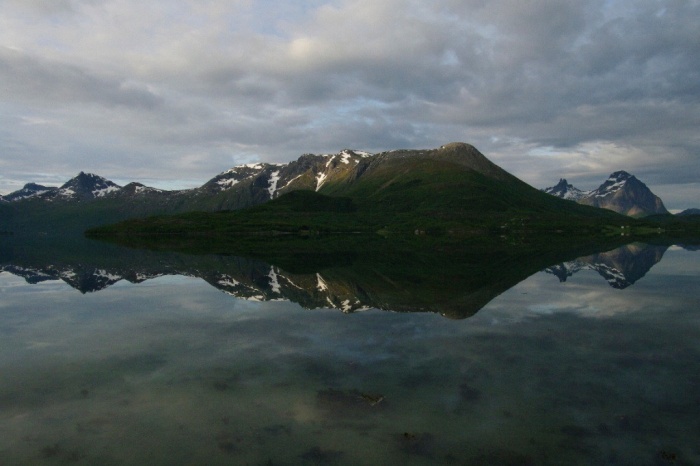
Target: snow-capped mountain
(434,180)
(246,184)
(310,171)
(625,194)
(84,186)
(621,192)
(29,190)
(565,190)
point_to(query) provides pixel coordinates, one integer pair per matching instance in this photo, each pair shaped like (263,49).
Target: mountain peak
(620,176)
(29,190)
(623,192)
(565,190)
(616,181)
(458,146)
(470,157)
(87,186)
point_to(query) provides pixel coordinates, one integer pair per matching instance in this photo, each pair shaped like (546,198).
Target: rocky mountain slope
(621,192)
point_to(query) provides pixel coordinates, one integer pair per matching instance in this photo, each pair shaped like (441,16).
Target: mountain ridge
(454,186)
(621,192)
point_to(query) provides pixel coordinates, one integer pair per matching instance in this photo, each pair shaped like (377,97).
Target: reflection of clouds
(586,294)
(19,285)
(678,262)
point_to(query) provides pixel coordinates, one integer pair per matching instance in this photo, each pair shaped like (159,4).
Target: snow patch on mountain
(67,192)
(227,183)
(228,281)
(107,275)
(320,179)
(321,285)
(274,281)
(104,191)
(272,187)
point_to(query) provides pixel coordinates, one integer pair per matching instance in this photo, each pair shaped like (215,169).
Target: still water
(593,361)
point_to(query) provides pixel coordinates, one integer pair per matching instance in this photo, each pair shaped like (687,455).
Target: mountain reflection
(453,283)
(621,267)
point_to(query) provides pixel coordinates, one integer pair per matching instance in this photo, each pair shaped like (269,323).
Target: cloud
(612,84)
(43,82)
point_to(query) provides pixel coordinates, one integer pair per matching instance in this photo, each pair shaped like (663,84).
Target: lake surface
(166,359)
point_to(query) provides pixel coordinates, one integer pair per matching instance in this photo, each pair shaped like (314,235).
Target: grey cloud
(38,80)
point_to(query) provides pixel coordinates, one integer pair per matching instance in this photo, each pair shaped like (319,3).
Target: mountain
(88,200)
(565,190)
(80,188)
(621,192)
(453,187)
(83,187)
(625,194)
(687,212)
(452,190)
(29,190)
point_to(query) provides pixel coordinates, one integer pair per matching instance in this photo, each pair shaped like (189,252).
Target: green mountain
(452,190)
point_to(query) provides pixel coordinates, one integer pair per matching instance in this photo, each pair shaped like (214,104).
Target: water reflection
(172,371)
(456,286)
(620,267)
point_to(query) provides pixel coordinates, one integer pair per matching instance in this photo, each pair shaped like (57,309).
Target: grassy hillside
(428,193)
(6,217)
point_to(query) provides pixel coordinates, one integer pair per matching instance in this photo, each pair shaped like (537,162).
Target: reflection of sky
(587,294)
(178,369)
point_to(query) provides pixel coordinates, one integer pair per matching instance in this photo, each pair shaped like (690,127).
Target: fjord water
(175,359)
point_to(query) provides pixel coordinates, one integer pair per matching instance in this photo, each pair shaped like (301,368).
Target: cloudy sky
(172,92)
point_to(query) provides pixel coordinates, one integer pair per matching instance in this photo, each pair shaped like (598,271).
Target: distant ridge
(621,192)
(29,190)
(687,212)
